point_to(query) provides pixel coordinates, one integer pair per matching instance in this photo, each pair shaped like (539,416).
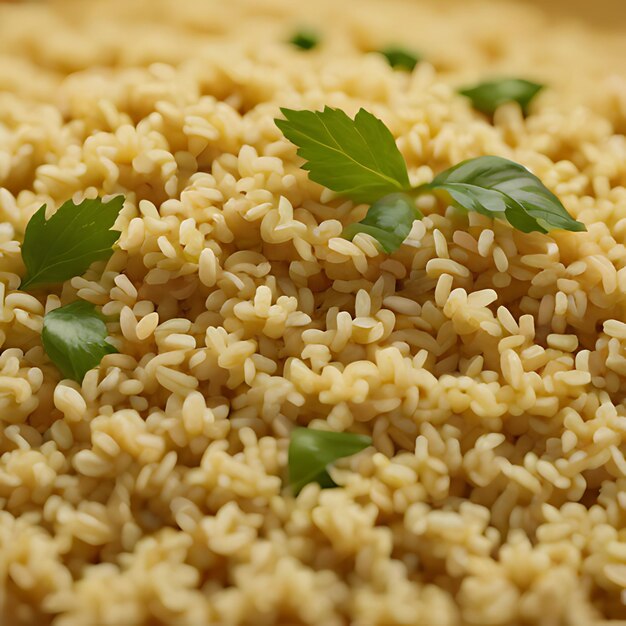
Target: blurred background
(606,13)
(609,13)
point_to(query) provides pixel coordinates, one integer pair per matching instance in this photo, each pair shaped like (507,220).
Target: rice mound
(489,366)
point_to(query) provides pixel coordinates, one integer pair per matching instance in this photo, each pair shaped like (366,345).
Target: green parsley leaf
(400,58)
(65,245)
(388,220)
(311,451)
(305,39)
(74,337)
(359,159)
(488,96)
(497,187)
(356,158)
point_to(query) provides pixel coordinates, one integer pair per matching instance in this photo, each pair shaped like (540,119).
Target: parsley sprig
(401,58)
(358,158)
(312,451)
(388,220)
(67,243)
(497,187)
(486,97)
(305,39)
(57,249)
(74,337)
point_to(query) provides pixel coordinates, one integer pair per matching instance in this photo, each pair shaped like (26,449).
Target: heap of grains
(487,365)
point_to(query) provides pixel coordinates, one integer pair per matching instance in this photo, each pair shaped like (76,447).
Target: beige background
(606,12)
(611,13)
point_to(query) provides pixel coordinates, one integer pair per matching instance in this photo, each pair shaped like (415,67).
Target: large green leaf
(357,158)
(74,337)
(65,245)
(497,187)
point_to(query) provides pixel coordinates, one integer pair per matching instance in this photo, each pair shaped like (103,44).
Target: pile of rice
(488,366)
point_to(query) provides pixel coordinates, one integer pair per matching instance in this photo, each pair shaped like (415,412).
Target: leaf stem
(415,192)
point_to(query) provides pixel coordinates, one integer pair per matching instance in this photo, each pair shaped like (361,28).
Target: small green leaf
(74,337)
(305,39)
(311,451)
(388,220)
(488,96)
(497,187)
(356,158)
(400,58)
(65,245)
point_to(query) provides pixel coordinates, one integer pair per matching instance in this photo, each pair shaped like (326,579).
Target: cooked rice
(489,366)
